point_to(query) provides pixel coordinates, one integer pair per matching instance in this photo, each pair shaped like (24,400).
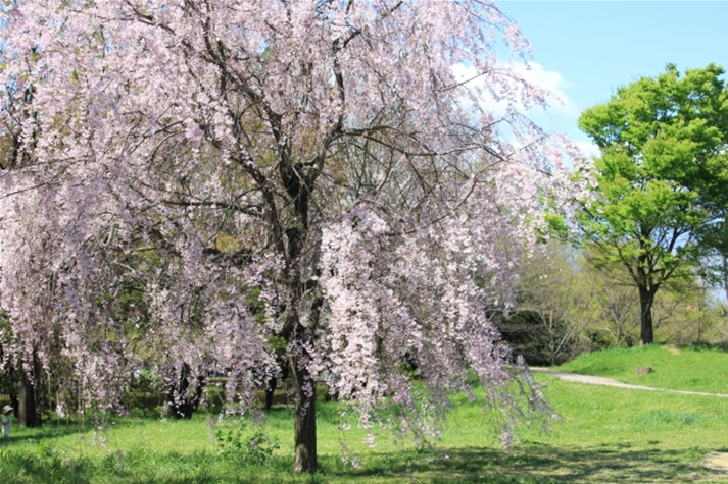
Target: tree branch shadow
(533,464)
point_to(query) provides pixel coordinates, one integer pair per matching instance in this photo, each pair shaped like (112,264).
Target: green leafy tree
(661,140)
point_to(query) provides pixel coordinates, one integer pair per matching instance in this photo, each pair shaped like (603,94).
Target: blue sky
(584,50)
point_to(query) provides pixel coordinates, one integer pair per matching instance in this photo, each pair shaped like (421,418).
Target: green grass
(605,435)
(697,368)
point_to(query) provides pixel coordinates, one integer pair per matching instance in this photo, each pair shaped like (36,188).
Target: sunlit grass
(606,435)
(697,368)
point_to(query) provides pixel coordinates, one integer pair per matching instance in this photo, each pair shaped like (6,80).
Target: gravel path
(600,380)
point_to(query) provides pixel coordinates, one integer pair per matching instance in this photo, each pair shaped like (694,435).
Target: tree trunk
(28,398)
(647,297)
(552,350)
(306,456)
(269,393)
(298,184)
(185,400)
(724,260)
(14,403)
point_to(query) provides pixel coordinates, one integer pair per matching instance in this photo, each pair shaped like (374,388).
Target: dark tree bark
(306,453)
(647,297)
(305,440)
(270,392)
(190,399)
(298,183)
(29,397)
(14,403)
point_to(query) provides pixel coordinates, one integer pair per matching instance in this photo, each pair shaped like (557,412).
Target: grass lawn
(606,435)
(697,368)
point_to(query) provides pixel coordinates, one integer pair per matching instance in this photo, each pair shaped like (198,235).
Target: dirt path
(717,462)
(600,380)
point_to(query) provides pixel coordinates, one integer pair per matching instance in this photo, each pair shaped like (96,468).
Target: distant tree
(689,313)
(613,304)
(662,140)
(547,322)
(566,306)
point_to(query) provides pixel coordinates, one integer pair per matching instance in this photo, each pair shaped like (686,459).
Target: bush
(247,444)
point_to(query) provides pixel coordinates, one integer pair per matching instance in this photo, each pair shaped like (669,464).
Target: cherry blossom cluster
(197,179)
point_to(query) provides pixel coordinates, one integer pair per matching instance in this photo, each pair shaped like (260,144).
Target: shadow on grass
(533,463)
(39,434)
(51,429)
(709,347)
(530,464)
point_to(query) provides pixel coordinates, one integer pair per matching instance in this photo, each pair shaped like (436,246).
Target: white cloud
(559,103)
(561,115)
(589,149)
(551,81)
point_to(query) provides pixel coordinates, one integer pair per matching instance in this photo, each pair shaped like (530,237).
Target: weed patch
(667,418)
(248,444)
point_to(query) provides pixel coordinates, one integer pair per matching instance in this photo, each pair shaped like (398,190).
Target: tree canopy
(663,144)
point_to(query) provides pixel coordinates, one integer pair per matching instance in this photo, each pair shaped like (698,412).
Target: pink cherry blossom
(195,178)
